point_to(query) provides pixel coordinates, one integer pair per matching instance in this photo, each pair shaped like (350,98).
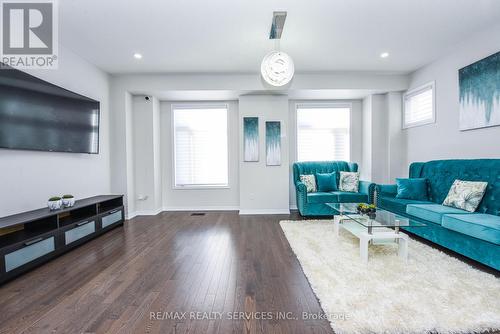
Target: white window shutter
(323,133)
(200,146)
(419,106)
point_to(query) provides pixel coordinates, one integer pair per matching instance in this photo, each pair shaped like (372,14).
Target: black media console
(31,238)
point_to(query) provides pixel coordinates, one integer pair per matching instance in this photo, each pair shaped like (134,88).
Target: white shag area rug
(433,292)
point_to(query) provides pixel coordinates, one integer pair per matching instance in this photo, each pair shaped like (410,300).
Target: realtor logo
(29,34)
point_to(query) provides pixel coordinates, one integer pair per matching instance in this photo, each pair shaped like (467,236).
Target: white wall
(264,189)
(444,140)
(356,135)
(384,143)
(366,152)
(157,159)
(29,178)
(380,139)
(199,199)
(222,199)
(145,132)
(396,138)
(122,86)
(375,122)
(129,170)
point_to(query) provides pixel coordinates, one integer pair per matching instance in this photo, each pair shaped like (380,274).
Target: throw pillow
(465,195)
(415,189)
(310,182)
(349,181)
(327,181)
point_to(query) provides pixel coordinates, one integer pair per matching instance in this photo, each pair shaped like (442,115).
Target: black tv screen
(37,115)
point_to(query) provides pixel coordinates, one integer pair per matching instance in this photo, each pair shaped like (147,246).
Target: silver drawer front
(111,219)
(29,253)
(79,232)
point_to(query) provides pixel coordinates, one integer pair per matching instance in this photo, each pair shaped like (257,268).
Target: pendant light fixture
(277,67)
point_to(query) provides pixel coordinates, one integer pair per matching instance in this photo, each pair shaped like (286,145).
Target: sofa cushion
(350,197)
(465,195)
(432,212)
(310,182)
(327,181)
(397,205)
(349,181)
(414,188)
(321,197)
(478,225)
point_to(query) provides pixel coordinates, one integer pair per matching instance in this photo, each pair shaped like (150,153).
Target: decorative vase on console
(54,203)
(68,201)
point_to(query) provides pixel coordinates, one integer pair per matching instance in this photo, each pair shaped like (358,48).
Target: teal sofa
(313,204)
(474,235)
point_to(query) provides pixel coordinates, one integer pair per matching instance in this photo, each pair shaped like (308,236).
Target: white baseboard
(293,207)
(202,208)
(131,215)
(265,212)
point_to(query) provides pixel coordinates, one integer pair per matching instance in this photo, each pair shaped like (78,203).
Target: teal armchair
(313,204)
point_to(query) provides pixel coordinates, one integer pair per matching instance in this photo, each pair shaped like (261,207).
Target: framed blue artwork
(273,143)
(479,85)
(250,139)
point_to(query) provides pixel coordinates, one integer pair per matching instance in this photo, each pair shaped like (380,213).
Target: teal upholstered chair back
(442,173)
(313,167)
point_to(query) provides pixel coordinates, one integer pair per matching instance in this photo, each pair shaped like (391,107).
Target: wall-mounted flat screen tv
(37,115)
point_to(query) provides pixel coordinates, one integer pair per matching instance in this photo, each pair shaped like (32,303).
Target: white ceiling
(232,36)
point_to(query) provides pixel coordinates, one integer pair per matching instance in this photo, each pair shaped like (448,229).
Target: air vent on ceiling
(198,214)
(277,25)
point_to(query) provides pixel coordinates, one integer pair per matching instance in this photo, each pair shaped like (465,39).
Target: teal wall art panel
(479,85)
(250,139)
(273,143)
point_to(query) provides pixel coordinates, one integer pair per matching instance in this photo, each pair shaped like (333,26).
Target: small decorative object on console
(68,201)
(54,203)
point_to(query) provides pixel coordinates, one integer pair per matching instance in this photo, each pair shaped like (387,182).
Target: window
(200,146)
(323,132)
(419,106)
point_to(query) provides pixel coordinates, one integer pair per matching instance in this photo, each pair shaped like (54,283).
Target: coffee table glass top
(382,218)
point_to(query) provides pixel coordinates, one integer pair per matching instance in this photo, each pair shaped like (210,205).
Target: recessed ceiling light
(137,56)
(384,55)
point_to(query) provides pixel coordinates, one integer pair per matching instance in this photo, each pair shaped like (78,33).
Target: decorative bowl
(54,205)
(68,202)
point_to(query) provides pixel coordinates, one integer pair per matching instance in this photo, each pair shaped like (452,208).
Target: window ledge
(422,123)
(194,187)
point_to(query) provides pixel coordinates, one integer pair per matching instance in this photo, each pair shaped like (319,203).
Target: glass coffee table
(383,228)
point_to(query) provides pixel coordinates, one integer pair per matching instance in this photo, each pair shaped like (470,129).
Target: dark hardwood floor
(155,273)
(219,264)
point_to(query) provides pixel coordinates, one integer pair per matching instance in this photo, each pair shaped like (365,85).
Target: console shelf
(31,238)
